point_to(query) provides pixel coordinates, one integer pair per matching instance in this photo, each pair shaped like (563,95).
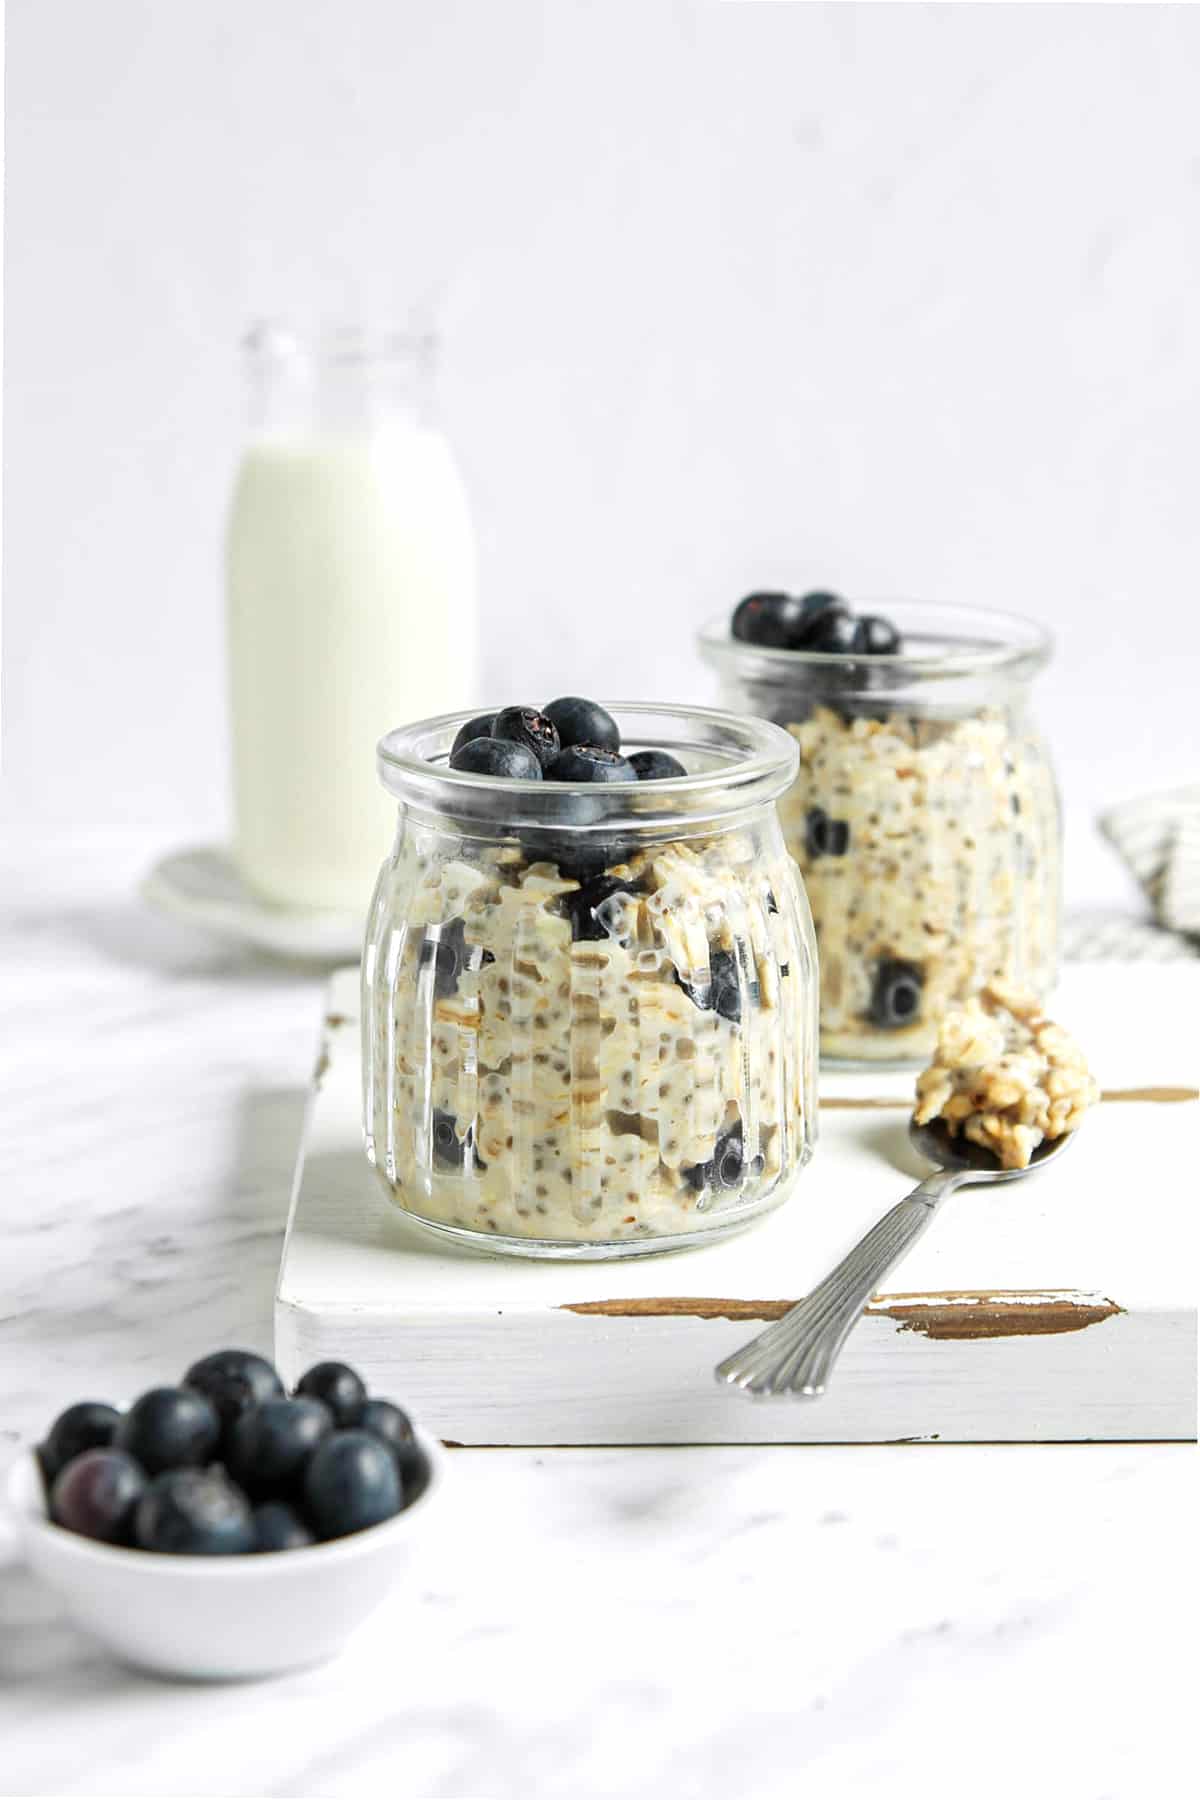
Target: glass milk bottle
(351,603)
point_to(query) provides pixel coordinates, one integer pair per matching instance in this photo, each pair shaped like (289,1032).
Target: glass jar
(924,817)
(589,1011)
(350,574)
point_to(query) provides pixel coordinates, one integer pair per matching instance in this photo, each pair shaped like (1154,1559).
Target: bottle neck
(346,382)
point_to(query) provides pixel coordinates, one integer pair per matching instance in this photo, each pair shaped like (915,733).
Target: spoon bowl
(963,1156)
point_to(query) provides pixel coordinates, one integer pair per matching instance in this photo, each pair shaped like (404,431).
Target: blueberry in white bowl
(272,1443)
(278,1526)
(87,1425)
(97,1494)
(169,1428)
(341,1388)
(188,1571)
(194,1512)
(233,1380)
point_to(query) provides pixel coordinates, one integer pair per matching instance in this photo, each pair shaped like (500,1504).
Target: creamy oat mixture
(618,1059)
(929,848)
(1005,1076)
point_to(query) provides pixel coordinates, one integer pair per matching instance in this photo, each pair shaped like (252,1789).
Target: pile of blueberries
(228,1462)
(816,621)
(569,740)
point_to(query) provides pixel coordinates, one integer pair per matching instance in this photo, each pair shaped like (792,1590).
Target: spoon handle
(796,1354)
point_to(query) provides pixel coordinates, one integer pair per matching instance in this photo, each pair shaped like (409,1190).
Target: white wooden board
(1062,1307)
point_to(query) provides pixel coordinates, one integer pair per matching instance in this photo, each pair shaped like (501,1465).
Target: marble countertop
(691,1622)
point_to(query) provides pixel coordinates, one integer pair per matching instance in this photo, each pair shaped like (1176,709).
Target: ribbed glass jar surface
(924,818)
(589,1012)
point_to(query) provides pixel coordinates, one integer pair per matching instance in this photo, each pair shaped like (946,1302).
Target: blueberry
(351,1483)
(876,636)
(770,620)
(497,756)
(272,1442)
(726,984)
(824,836)
(582,905)
(478,727)
(233,1380)
(341,1388)
(450,954)
(88,1425)
(832,631)
(814,609)
(169,1428)
(589,762)
(655,765)
(726,1165)
(896,994)
(388,1423)
(526,726)
(578,857)
(413,1470)
(449,1150)
(278,1526)
(583,722)
(722,993)
(194,1512)
(97,1493)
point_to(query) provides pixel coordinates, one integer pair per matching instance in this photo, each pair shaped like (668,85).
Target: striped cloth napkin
(1158,838)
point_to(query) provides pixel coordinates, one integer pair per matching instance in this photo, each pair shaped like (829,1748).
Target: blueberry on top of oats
(478,727)
(571,739)
(589,762)
(497,756)
(769,619)
(656,765)
(525,725)
(818,621)
(878,637)
(580,721)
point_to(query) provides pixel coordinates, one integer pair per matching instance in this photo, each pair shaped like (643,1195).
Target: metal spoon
(796,1354)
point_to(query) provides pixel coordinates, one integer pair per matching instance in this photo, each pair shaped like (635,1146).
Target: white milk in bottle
(351,596)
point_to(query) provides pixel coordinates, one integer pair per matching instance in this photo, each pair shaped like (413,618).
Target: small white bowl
(219,1618)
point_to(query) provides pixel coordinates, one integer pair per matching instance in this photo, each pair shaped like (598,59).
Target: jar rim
(939,640)
(752,762)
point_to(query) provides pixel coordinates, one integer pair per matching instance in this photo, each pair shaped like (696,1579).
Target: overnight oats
(1005,1076)
(924,814)
(589,984)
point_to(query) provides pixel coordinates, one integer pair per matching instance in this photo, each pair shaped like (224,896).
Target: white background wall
(897,299)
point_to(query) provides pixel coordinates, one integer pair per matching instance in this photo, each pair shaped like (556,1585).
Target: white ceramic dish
(203,886)
(214,1618)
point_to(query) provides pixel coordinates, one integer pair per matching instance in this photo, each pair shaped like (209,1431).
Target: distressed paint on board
(950,1315)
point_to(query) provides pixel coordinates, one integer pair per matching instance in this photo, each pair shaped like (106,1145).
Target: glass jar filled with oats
(924,815)
(590,1010)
